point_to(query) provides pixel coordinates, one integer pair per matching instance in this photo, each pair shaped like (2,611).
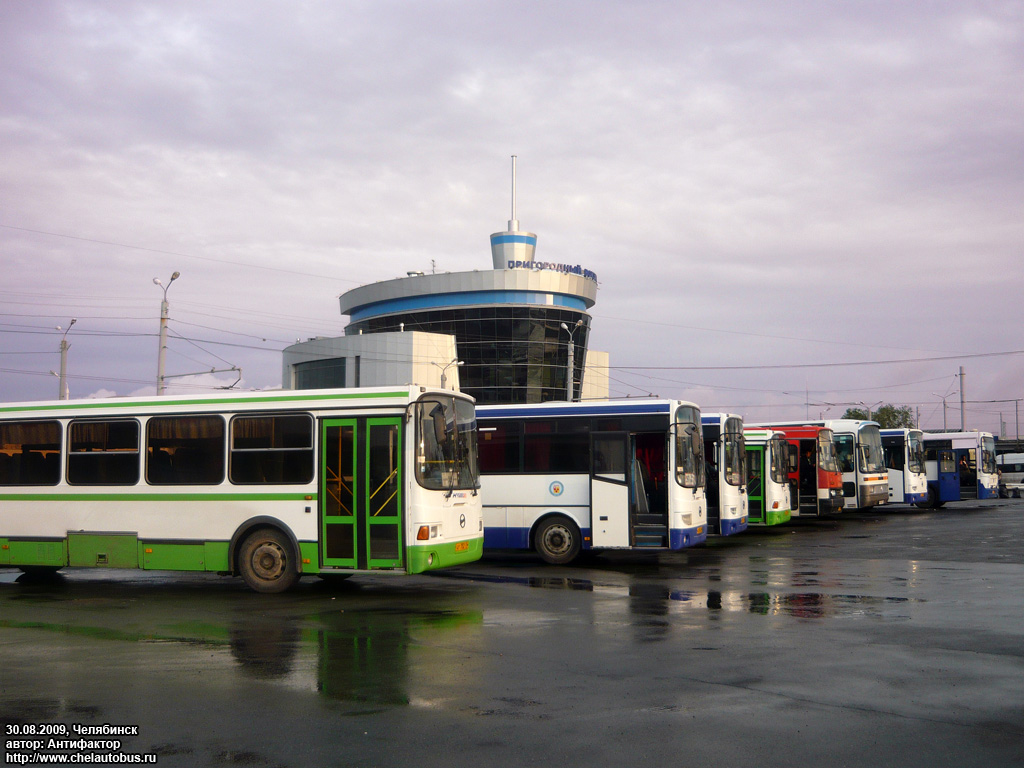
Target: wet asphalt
(889,638)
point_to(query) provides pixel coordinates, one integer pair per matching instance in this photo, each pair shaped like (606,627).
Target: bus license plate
(461,546)
(700,530)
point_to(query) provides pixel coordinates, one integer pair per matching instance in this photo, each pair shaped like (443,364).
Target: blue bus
(961,466)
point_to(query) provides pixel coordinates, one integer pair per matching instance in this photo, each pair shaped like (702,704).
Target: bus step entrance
(650,531)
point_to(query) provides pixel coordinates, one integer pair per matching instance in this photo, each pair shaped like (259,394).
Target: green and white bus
(266,485)
(768,489)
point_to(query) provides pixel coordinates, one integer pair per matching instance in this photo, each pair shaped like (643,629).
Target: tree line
(888,416)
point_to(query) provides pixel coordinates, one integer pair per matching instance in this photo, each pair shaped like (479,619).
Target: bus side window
(103,452)
(273,449)
(30,444)
(195,445)
(500,447)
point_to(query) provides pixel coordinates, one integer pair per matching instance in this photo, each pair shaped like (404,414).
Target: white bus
(725,457)
(960,466)
(904,460)
(618,474)
(768,489)
(1011,474)
(861,460)
(268,485)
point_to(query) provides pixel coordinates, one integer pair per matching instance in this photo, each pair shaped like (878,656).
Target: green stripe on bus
(311,498)
(775,517)
(429,557)
(95,404)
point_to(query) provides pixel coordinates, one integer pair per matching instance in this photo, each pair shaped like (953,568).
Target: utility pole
(64,347)
(161,385)
(963,428)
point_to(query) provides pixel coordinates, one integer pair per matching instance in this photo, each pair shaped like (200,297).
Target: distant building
(506,325)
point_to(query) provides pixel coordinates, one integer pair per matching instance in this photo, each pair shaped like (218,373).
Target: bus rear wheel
(266,561)
(557,540)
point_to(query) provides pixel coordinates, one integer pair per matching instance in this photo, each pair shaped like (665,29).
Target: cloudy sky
(790,206)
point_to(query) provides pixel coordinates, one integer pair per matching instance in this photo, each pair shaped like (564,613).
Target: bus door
(755,483)
(949,481)
(808,474)
(793,470)
(610,472)
(361,505)
(967,468)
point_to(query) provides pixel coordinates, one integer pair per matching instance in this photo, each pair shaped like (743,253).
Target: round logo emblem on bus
(462,521)
(556,488)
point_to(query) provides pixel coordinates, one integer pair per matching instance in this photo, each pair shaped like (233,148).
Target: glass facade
(322,374)
(512,354)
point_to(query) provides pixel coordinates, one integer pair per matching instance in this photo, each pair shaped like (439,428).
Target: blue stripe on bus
(914,498)
(518,538)
(730,527)
(616,409)
(678,538)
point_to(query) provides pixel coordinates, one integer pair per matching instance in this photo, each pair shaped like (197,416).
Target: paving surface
(890,638)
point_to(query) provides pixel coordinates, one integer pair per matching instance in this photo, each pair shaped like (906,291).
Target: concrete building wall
(595,376)
(379,359)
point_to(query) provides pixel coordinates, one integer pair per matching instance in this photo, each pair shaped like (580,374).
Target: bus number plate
(700,530)
(461,546)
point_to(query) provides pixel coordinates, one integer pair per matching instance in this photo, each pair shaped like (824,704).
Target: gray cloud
(754,183)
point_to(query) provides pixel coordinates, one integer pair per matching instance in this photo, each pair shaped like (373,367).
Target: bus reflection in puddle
(360,656)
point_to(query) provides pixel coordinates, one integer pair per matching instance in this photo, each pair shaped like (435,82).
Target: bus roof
(590,408)
(299,398)
(804,430)
(718,418)
(836,425)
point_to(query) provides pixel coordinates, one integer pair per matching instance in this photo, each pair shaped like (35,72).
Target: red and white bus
(816,484)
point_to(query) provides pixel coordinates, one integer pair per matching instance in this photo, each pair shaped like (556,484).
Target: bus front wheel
(557,540)
(266,561)
(932,502)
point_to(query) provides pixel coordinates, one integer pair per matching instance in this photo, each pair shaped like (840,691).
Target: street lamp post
(871,408)
(444,378)
(161,386)
(943,397)
(569,376)
(64,347)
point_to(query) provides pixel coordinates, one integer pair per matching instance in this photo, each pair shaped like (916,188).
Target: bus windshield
(735,452)
(827,460)
(779,459)
(988,455)
(446,444)
(869,445)
(915,452)
(844,452)
(689,448)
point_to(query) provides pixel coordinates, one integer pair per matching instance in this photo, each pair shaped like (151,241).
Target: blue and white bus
(725,457)
(960,466)
(904,459)
(619,474)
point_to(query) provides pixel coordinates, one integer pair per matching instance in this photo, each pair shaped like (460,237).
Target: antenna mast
(513,224)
